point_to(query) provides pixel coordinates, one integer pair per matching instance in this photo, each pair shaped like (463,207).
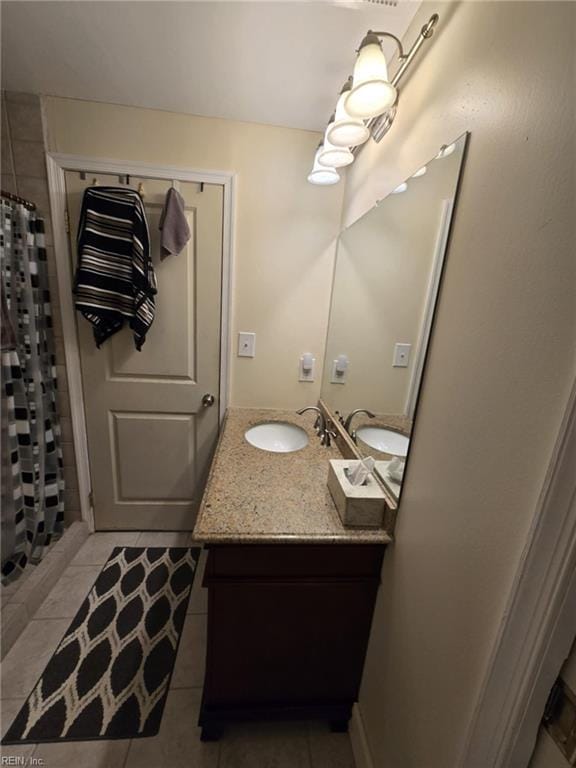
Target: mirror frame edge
(343,440)
(349,451)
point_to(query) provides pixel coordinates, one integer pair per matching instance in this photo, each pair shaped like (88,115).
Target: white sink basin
(277,437)
(385,440)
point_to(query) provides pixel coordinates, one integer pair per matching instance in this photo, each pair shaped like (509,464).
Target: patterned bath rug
(109,677)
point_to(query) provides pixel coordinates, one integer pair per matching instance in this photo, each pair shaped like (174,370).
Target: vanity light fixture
(332,156)
(368,102)
(372,92)
(321,174)
(400,188)
(346,130)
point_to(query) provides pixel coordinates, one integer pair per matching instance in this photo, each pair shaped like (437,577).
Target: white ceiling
(280,63)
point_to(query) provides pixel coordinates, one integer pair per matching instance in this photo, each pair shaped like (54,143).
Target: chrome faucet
(351,415)
(327,436)
(323,428)
(320,423)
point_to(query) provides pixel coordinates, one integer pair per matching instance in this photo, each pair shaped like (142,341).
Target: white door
(151,427)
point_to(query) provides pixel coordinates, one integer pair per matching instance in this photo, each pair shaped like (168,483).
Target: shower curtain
(32,511)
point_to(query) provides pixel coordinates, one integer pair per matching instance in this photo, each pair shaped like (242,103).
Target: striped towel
(115,279)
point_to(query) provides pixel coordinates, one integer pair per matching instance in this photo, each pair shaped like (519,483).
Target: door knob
(208,400)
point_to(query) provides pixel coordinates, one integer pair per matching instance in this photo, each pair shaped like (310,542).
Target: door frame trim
(538,625)
(57,164)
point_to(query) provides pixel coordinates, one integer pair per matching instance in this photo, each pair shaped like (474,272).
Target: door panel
(162,440)
(170,356)
(150,440)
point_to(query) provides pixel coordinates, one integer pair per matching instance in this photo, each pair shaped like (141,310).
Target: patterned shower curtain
(32,512)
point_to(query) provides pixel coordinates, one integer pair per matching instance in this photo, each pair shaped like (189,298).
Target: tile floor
(178,745)
(7,592)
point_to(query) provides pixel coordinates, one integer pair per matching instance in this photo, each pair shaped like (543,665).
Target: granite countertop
(396,422)
(255,496)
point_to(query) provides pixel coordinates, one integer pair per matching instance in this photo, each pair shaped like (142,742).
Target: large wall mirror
(388,269)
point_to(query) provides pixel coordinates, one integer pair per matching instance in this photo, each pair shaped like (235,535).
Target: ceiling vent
(359,3)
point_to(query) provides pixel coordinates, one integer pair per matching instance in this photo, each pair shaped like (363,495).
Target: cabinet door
(287,643)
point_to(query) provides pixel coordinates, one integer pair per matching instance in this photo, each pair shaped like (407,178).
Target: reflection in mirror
(386,281)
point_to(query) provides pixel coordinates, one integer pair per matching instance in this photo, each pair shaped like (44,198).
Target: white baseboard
(362,756)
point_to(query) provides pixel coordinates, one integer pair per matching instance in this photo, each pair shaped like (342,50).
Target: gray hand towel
(173,226)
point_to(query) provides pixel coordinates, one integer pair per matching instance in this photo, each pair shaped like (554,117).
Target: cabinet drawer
(294,561)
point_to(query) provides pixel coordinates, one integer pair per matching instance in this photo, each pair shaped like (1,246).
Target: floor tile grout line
(85,565)
(219,758)
(125,763)
(309,744)
(88,565)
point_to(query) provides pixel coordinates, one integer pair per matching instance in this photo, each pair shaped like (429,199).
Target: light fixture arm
(401,54)
(405,58)
(347,85)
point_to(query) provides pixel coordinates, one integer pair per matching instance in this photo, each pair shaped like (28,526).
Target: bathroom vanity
(290,590)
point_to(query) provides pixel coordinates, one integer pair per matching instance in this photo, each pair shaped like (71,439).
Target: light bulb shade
(331,156)
(322,175)
(420,172)
(346,131)
(372,93)
(400,188)
(445,151)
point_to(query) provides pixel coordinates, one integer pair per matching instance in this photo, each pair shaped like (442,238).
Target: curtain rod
(16,199)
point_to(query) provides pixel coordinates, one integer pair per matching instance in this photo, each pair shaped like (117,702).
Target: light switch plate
(246,344)
(401,355)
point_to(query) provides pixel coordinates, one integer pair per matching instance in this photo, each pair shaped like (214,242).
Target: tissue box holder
(359,506)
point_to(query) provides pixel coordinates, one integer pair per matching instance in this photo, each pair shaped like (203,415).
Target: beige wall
(285,227)
(501,362)
(381,281)
(24,174)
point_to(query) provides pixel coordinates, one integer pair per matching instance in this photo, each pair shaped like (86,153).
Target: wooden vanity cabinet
(288,626)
